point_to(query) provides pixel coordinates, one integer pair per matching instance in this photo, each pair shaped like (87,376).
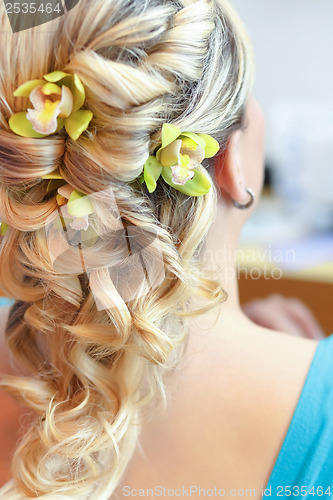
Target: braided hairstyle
(92,371)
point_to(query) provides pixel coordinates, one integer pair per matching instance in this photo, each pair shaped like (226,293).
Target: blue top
(304,466)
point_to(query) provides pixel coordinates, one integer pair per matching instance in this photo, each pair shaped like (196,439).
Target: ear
(228,170)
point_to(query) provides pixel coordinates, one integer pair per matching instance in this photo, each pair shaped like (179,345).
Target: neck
(227,321)
(220,254)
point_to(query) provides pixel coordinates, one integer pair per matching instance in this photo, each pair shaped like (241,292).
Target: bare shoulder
(258,381)
(229,410)
(263,367)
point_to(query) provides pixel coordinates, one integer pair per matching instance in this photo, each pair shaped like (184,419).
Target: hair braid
(95,354)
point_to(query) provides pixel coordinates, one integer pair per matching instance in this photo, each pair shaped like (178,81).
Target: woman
(98,365)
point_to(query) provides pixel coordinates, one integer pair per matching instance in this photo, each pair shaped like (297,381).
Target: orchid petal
(184,160)
(151,173)
(80,223)
(44,117)
(26,88)
(55,174)
(211,147)
(158,154)
(196,156)
(19,124)
(51,88)
(181,175)
(61,123)
(61,78)
(37,99)
(66,103)
(55,76)
(61,200)
(170,155)
(169,134)
(77,123)
(66,190)
(197,186)
(195,137)
(44,122)
(189,143)
(79,204)
(3,228)
(78,93)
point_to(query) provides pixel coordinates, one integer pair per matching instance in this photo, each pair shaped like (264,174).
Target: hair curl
(93,371)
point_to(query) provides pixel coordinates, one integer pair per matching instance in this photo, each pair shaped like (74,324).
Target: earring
(248,204)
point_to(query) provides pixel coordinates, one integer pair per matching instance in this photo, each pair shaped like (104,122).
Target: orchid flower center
(49,101)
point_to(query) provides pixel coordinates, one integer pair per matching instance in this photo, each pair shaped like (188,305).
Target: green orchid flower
(76,206)
(177,161)
(56,102)
(3,228)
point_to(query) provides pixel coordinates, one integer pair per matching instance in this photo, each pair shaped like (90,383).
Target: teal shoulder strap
(304,466)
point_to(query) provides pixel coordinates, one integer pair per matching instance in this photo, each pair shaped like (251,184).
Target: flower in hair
(3,227)
(177,161)
(76,206)
(56,102)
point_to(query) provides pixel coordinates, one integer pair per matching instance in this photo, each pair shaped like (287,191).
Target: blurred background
(287,246)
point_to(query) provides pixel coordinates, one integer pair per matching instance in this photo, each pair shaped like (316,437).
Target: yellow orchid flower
(49,103)
(56,102)
(3,228)
(78,222)
(75,205)
(178,159)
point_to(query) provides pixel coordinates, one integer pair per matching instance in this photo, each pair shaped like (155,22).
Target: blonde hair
(93,370)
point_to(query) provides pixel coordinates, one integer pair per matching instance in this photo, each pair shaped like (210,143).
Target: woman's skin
(231,400)
(232,397)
